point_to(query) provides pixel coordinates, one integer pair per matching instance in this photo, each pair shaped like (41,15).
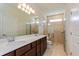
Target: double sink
(19,41)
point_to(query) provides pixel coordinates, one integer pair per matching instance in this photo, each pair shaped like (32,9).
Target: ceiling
(40,8)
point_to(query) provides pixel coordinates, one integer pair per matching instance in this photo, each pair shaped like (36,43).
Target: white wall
(67,32)
(41,25)
(43,17)
(8,24)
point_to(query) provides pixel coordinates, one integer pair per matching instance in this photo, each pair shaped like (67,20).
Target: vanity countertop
(6,47)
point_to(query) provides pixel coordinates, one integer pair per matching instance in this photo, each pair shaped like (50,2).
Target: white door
(74,24)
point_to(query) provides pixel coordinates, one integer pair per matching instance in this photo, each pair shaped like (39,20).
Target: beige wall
(56,26)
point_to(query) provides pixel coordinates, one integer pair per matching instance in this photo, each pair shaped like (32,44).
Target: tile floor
(55,50)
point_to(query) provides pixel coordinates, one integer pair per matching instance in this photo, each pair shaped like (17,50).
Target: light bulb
(27,7)
(30,9)
(29,12)
(24,5)
(33,11)
(23,9)
(19,6)
(26,11)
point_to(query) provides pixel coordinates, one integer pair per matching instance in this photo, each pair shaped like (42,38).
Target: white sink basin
(23,38)
(3,44)
(20,40)
(3,40)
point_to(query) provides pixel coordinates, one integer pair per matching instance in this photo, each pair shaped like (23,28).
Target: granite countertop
(6,47)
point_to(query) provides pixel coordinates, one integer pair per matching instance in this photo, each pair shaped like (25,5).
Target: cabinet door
(74,22)
(31,52)
(23,50)
(43,45)
(39,50)
(34,44)
(38,41)
(74,29)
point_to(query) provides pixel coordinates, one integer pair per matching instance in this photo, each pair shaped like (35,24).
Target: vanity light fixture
(56,20)
(26,8)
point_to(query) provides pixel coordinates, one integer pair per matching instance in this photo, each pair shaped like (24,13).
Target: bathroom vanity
(28,45)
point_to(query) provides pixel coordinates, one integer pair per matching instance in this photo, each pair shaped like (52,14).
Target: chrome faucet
(3,36)
(9,38)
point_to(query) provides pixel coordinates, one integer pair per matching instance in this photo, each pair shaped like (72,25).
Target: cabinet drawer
(33,44)
(10,54)
(39,41)
(31,52)
(23,49)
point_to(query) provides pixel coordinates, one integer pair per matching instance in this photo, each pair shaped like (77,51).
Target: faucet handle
(10,38)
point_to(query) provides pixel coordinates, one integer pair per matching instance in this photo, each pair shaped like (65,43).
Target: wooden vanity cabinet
(34,44)
(39,47)
(32,52)
(10,54)
(21,51)
(38,41)
(36,48)
(43,45)
(42,48)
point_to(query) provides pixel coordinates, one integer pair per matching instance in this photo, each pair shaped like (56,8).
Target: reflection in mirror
(33,26)
(14,22)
